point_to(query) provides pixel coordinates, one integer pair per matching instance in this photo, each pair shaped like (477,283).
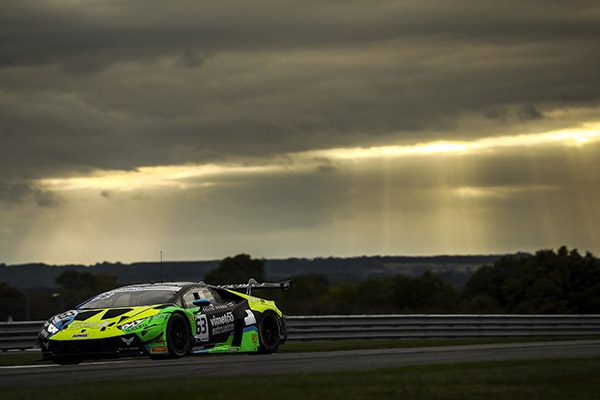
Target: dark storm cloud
(102,32)
(15,192)
(115,85)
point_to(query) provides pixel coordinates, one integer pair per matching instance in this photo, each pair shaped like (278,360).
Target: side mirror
(201,302)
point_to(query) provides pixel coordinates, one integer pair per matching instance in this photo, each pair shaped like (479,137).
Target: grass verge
(538,379)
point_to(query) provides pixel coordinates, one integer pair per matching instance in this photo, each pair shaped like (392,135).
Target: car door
(214,322)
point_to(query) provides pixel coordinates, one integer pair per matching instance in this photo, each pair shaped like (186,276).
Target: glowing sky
(302,128)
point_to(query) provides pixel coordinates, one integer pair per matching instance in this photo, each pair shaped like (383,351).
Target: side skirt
(248,344)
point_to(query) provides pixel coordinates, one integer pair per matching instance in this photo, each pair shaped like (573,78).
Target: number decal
(202,328)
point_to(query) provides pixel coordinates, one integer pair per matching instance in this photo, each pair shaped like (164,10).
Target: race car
(166,320)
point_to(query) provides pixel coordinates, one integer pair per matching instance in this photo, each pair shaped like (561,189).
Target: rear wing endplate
(253,284)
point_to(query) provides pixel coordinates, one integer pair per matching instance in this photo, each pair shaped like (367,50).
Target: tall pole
(161,274)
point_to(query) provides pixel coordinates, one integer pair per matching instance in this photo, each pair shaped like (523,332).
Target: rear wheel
(178,336)
(268,333)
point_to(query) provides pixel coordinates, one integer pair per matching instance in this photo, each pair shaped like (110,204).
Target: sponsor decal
(254,337)
(127,349)
(79,335)
(233,349)
(106,295)
(222,324)
(144,288)
(127,341)
(226,318)
(222,329)
(217,307)
(255,300)
(88,325)
(142,322)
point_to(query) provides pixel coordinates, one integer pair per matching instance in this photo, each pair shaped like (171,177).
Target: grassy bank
(540,379)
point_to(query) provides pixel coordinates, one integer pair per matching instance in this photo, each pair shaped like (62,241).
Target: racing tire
(66,360)
(178,336)
(268,333)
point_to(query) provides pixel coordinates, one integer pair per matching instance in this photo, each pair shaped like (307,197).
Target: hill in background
(453,269)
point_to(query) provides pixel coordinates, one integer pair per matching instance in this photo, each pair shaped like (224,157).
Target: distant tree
(12,302)
(76,286)
(237,269)
(368,297)
(427,293)
(75,280)
(310,295)
(547,282)
(345,298)
(88,281)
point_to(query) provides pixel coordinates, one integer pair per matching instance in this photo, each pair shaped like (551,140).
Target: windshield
(130,297)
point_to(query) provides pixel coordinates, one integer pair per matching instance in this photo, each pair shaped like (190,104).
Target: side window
(199,293)
(206,293)
(178,301)
(188,298)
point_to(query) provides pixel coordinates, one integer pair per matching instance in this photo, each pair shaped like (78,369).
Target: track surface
(243,364)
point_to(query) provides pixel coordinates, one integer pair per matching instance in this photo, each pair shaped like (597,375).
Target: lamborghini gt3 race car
(166,320)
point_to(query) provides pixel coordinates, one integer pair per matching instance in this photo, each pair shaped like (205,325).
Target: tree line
(558,281)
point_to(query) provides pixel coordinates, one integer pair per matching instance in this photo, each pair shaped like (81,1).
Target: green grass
(29,358)
(539,379)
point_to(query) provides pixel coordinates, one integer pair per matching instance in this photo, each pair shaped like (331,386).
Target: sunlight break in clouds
(577,137)
(187,176)
(180,176)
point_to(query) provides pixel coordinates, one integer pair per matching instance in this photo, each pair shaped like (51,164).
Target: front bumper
(126,345)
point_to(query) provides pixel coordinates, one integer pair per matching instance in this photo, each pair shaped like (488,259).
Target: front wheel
(178,336)
(269,334)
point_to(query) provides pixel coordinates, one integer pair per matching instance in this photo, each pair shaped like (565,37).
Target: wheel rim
(270,332)
(178,335)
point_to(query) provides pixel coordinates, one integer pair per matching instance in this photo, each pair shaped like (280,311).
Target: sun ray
(200,175)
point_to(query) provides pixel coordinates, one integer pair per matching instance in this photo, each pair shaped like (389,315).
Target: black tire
(178,336)
(65,360)
(269,333)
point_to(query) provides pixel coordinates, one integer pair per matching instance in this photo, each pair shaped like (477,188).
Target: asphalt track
(282,363)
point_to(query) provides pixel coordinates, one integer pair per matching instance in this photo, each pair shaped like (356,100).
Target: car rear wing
(253,284)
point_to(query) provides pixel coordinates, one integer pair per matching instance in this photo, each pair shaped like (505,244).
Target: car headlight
(58,322)
(48,329)
(131,324)
(51,328)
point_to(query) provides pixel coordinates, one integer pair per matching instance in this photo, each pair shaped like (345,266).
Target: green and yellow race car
(166,320)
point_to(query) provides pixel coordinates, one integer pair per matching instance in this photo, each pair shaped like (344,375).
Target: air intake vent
(83,315)
(115,312)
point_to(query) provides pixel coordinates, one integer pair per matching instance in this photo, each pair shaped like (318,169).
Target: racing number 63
(202,328)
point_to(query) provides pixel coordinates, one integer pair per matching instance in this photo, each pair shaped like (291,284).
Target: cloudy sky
(297,128)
